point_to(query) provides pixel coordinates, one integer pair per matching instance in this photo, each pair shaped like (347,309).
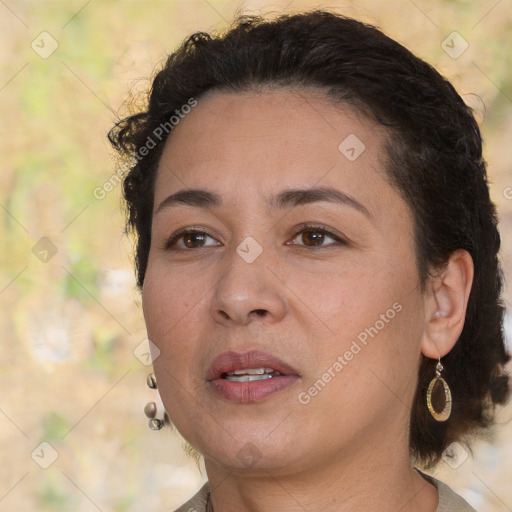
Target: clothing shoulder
(198,502)
(449,501)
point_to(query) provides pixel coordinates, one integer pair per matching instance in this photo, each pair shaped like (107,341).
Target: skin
(347,448)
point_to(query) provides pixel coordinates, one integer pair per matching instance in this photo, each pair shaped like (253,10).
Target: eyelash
(304,227)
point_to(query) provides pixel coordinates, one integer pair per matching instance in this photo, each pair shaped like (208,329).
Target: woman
(317,255)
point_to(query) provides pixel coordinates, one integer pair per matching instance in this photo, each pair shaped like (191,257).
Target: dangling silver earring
(151,409)
(447,409)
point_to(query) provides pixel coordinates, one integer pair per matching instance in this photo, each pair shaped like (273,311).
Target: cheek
(169,302)
(342,300)
(174,312)
(171,305)
(369,353)
(368,302)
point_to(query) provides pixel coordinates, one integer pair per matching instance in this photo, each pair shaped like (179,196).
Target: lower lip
(253,391)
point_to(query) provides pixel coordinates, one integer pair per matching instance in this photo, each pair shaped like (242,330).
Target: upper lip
(228,362)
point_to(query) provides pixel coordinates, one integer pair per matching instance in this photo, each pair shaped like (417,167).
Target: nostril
(260,312)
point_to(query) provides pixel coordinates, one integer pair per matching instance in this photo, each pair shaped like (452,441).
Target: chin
(248,452)
(250,458)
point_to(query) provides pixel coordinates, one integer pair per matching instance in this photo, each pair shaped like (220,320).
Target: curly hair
(434,161)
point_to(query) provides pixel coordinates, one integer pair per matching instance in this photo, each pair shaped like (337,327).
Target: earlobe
(446,301)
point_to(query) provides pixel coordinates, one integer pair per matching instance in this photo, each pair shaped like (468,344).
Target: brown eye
(194,239)
(312,237)
(189,239)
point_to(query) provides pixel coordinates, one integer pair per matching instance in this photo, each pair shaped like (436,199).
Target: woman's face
(290,324)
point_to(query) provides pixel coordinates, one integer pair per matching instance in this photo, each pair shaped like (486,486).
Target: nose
(248,291)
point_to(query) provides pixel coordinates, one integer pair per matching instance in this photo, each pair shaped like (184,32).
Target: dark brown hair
(434,160)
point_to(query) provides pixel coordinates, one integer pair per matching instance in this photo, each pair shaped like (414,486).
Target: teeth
(247,378)
(250,374)
(252,371)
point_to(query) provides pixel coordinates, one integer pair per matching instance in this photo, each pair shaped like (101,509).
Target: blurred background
(73,356)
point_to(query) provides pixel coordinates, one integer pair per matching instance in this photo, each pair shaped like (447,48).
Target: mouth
(249,377)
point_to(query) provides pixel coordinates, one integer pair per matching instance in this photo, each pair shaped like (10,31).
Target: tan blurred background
(72,363)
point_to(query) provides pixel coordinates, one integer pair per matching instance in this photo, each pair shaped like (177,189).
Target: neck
(359,479)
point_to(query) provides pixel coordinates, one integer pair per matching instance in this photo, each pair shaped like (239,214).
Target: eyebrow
(288,198)
(192,197)
(298,197)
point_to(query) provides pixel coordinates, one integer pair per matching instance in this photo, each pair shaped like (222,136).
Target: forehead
(258,142)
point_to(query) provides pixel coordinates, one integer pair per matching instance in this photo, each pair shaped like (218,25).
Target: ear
(445,302)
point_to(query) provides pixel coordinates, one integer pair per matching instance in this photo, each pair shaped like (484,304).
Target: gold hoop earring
(447,409)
